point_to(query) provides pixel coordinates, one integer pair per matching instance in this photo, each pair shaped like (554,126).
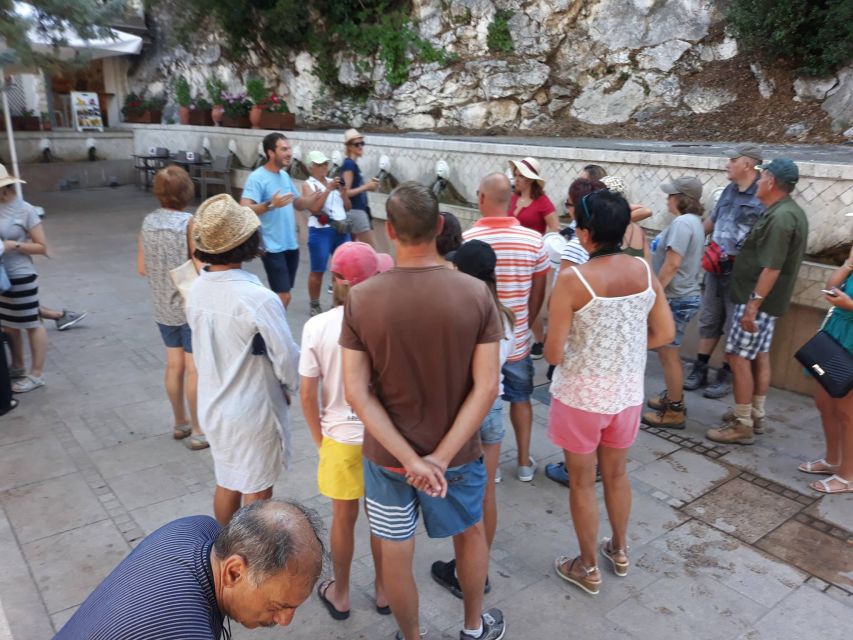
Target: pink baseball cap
(386,262)
(355,262)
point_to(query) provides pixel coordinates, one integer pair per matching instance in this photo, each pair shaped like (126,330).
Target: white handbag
(183,277)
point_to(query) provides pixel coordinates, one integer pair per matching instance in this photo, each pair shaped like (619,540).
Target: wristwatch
(17,245)
(755,296)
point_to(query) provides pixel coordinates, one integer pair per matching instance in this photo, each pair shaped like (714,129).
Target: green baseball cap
(782,169)
(317,157)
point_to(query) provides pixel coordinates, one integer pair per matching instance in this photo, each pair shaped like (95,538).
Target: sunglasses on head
(357,144)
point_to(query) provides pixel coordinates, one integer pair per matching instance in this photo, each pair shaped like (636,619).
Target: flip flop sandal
(321,593)
(590,586)
(383,611)
(27,384)
(607,550)
(196,442)
(181,431)
(819,467)
(823,485)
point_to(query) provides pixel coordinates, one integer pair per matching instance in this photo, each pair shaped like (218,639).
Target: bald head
(495,195)
(274,535)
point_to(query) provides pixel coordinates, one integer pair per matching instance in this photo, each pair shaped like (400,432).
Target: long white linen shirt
(241,402)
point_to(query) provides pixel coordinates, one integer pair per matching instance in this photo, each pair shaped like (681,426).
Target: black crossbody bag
(829,362)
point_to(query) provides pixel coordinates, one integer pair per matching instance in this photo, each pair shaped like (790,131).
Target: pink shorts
(579,431)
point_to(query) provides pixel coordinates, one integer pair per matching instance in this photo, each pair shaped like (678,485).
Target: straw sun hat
(529,168)
(220,224)
(6,178)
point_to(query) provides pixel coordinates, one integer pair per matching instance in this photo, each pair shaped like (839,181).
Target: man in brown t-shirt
(421,366)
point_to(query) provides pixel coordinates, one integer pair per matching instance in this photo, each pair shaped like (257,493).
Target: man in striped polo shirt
(185,579)
(521,270)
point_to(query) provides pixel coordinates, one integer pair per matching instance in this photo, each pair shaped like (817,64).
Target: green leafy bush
(814,35)
(215,87)
(256,90)
(498,37)
(182,92)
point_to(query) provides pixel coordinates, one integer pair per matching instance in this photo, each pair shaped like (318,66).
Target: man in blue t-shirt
(270,193)
(184,579)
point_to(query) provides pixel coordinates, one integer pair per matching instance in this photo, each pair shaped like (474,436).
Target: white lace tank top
(604,359)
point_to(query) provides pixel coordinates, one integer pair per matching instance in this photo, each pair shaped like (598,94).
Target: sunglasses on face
(357,144)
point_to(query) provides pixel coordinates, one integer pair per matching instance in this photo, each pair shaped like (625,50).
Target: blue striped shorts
(745,344)
(393,505)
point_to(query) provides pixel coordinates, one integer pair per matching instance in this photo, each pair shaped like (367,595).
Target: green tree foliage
(814,35)
(498,37)
(270,29)
(88,18)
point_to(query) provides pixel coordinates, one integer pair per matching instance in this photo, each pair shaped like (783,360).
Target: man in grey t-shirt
(676,258)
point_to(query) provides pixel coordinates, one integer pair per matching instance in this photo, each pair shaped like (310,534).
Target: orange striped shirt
(521,255)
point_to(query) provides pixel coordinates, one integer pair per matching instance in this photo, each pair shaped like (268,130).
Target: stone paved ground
(725,542)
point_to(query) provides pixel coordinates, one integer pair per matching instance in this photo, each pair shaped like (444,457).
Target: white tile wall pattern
(825,190)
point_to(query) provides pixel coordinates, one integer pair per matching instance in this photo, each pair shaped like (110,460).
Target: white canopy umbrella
(71,45)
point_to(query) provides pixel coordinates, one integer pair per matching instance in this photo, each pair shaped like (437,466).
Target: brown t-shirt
(420,328)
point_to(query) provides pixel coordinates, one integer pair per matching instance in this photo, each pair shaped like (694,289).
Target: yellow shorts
(340,475)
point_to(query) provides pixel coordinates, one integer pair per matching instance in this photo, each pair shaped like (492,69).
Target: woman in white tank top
(605,315)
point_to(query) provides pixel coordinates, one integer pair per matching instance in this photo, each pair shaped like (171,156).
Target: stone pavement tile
(146,486)
(806,613)
(46,508)
(684,475)
(743,510)
(814,551)
(706,551)
(137,455)
(650,518)
(22,604)
(687,607)
(59,618)
(18,427)
(837,509)
(154,516)
(300,481)
(86,400)
(69,565)
(147,418)
(83,434)
(649,448)
(774,464)
(32,461)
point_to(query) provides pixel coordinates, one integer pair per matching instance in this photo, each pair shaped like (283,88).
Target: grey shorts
(360,221)
(715,314)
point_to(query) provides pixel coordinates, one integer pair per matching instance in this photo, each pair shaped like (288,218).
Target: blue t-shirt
(162,590)
(359,201)
(278,226)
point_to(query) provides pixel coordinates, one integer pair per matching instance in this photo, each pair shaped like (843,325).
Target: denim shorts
(683,310)
(392,504)
(281,269)
(492,429)
(321,245)
(518,380)
(176,337)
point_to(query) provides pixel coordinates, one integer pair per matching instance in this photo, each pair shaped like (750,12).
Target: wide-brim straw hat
(220,224)
(351,135)
(529,168)
(7,178)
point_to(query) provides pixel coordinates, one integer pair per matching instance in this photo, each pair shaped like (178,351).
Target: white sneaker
(525,474)
(499,476)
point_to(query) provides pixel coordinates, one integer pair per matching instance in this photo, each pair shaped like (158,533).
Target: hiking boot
(494,626)
(721,387)
(444,573)
(658,401)
(733,431)
(316,310)
(758,424)
(698,376)
(670,415)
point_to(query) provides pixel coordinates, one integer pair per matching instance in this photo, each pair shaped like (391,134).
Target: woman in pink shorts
(605,314)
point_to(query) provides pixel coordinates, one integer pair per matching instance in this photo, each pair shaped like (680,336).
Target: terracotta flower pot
(201,117)
(278,121)
(217,114)
(237,122)
(184,115)
(255,117)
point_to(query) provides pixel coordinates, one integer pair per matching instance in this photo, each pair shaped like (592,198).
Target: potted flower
(183,98)
(215,87)
(137,108)
(257,93)
(45,121)
(276,115)
(200,112)
(27,121)
(237,107)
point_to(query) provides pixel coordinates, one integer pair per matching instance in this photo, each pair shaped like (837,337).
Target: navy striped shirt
(162,591)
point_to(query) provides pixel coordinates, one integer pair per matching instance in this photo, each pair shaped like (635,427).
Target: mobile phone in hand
(830,292)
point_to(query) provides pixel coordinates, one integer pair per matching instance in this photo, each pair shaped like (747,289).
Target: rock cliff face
(665,68)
